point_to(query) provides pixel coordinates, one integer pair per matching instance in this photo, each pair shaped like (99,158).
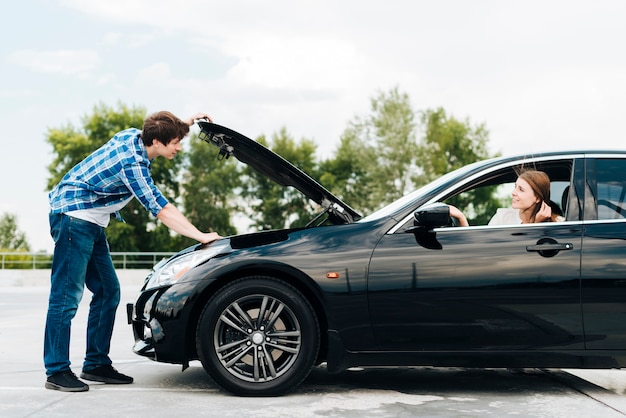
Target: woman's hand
(456,213)
(544,214)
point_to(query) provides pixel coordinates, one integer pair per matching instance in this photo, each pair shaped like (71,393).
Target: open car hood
(231,143)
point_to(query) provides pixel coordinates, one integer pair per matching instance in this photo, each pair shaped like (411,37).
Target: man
(81,206)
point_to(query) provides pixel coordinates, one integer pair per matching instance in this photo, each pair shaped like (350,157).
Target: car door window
(480,201)
(479,205)
(480,197)
(611,188)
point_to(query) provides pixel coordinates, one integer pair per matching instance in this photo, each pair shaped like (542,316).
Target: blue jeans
(81,258)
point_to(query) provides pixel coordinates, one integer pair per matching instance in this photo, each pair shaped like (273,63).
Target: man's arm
(176,221)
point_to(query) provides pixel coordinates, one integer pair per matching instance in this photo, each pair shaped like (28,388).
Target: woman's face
(523,196)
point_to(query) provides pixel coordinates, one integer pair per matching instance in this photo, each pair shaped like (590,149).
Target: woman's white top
(510,216)
(506,216)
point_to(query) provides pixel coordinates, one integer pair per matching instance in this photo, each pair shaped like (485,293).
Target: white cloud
(105,79)
(17,94)
(155,73)
(112,38)
(308,63)
(161,13)
(63,62)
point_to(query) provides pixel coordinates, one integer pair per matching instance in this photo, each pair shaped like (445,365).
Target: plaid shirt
(116,171)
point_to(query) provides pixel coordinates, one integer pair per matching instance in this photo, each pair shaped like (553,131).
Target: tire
(259,315)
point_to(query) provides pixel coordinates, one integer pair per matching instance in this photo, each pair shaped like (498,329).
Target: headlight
(169,272)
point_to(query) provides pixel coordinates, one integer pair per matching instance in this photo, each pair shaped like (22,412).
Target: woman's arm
(456,213)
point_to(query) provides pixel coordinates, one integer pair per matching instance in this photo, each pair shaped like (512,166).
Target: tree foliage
(209,187)
(394,128)
(376,155)
(11,238)
(348,174)
(394,149)
(449,144)
(271,206)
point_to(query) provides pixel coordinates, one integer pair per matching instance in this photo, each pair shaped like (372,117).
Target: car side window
(500,197)
(481,195)
(481,201)
(611,188)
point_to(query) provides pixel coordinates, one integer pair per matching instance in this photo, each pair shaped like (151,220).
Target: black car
(402,286)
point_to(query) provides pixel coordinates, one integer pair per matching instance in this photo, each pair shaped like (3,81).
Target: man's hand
(196,117)
(177,222)
(210,237)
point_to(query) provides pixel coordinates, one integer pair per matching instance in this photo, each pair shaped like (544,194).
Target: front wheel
(258,336)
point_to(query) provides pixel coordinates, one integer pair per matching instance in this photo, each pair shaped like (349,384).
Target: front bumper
(142,334)
(160,319)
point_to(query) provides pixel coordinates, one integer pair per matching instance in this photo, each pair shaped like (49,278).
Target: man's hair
(163,126)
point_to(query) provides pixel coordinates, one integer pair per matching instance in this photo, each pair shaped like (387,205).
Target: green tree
(11,238)
(348,174)
(449,144)
(273,206)
(376,158)
(394,128)
(393,150)
(70,145)
(209,189)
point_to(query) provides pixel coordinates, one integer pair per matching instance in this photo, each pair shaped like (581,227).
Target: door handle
(547,247)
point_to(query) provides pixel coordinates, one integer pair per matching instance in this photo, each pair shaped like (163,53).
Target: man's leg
(102,281)
(71,254)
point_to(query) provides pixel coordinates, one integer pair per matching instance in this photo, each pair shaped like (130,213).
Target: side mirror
(427,218)
(434,215)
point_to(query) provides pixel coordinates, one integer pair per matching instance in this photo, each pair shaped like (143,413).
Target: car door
(604,254)
(478,288)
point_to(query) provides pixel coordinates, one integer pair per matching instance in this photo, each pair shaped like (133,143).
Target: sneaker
(106,374)
(66,381)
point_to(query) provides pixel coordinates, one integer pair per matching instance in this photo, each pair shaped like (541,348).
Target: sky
(540,75)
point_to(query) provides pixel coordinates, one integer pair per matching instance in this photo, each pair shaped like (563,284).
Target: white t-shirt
(99,216)
(510,216)
(506,216)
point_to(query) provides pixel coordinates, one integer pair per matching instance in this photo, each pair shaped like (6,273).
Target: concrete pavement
(162,390)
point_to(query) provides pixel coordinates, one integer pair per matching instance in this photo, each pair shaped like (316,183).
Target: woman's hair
(163,126)
(540,183)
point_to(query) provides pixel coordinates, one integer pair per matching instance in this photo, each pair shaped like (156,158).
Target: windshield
(406,199)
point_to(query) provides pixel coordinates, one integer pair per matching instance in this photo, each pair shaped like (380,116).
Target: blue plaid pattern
(114,172)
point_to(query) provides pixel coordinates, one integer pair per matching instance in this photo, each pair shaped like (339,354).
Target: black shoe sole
(54,386)
(102,379)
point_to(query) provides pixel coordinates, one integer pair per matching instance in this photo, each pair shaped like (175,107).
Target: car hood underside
(255,155)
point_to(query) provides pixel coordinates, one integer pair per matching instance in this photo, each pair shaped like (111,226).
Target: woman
(529,202)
